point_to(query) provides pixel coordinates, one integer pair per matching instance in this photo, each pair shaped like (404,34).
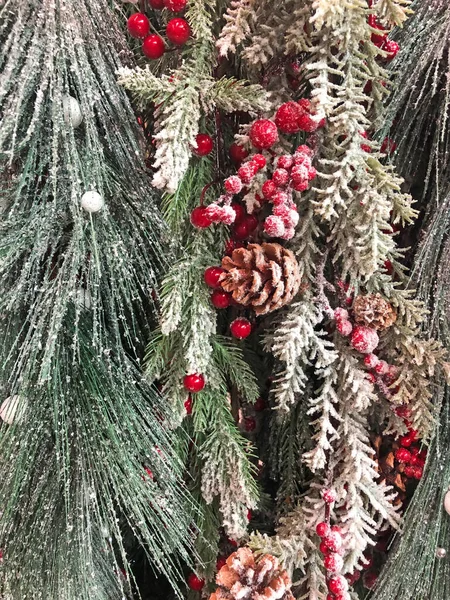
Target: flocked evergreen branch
(182,98)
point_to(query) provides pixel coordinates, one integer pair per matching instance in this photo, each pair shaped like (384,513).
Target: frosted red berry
(280,198)
(138,25)
(301,186)
(322,529)
(274,226)
(371,360)
(333,562)
(194,383)
(241,328)
(285,161)
(175,5)
(344,327)
(381,367)
(392,48)
(403,455)
(329,495)
(280,177)
(220,299)
(247,171)
(195,583)
(199,218)
(263,133)
(212,275)
(259,160)
(233,184)
(153,46)
(204,144)
(333,540)
(269,189)
(364,339)
(324,548)
(287,116)
(306,123)
(188,405)
(238,153)
(249,424)
(178,31)
(337,585)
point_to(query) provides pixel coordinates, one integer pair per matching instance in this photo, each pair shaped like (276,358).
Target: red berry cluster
(177,30)
(409,453)
(331,548)
(293,117)
(363,339)
(380,38)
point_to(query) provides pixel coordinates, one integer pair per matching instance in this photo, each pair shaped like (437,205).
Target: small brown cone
(247,577)
(264,277)
(374,311)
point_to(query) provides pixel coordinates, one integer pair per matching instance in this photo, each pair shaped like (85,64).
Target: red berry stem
(205,189)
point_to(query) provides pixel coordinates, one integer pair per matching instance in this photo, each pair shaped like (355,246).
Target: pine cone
(246,577)
(374,311)
(264,277)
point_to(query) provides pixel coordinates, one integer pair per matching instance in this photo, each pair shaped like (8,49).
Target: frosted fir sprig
(240,17)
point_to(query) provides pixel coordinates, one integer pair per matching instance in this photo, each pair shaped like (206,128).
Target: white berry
(92,201)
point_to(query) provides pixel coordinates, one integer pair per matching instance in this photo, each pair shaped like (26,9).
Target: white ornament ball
(441,552)
(13,409)
(447,502)
(72,111)
(92,201)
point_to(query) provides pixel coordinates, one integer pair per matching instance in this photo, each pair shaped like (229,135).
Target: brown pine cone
(374,311)
(247,577)
(264,277)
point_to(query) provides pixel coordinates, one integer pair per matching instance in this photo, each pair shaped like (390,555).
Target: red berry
(188,405)
(337,585)
(238,153)
(221,562)
(306,123)
(194,383)
(364,339)
(403,455)
(263,133)
(381,367)
(249,515)
(322,529)
(195,583)
(331,597)
(241,231)
(153,46)
(377,39)
(371,377)
(344,327)
(178,31)
(260,405)
(418,472)
(301,186)
(259,160)
(212,275)
(324,548)
(287,116)
(333,562)
(175,5)
(240,211)
(285,161)
(252,222)
(220,299)
(156,4)
(241,328)
(233,184)
(409,472)
(249,424)
(371,360)
(205,144)
(199,218)
(406,441)
(389,267)
(274,226)
(280,177)
(392,48)
(138,25)
(403,411)
(329,495)
(269,189)
(247,171)
(333,540)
